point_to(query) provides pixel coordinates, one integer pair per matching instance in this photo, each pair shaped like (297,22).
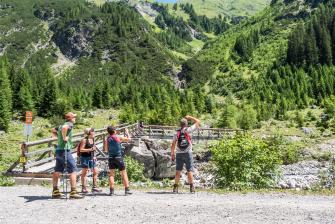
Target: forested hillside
(141,59)
(114,61)
(277,61)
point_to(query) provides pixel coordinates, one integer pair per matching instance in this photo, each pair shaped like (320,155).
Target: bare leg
(177,178)
(95,176)
(190,177)
(111,178)
(55,178)
(73,180)
(83,177)
(124,178)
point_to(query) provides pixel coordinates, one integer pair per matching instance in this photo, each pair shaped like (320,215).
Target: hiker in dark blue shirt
(116,161)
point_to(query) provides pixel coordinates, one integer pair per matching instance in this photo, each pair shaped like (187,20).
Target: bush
(135,171)
(245,162)
(6,181)
(289,152)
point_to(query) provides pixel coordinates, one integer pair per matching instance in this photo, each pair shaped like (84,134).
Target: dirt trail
(24,204)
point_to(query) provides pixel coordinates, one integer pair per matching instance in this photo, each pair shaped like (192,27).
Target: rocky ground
(34,205)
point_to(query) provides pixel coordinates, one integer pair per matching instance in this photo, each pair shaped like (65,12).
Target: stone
(291,183)
(307,131)
(144,156)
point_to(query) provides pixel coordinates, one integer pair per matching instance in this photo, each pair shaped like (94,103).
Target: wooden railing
(37,153)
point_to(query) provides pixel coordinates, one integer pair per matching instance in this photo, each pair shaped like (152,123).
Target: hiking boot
(111,192)
(57,194)
(84,190)
(192,189)
(75,195)
(127,191)
(96,189)
(175,188)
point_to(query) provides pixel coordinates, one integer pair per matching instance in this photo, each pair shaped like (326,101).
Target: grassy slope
(272,47)
(212,8)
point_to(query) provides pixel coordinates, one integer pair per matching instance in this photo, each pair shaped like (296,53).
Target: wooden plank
(39,162)
(17,162)
(32,153)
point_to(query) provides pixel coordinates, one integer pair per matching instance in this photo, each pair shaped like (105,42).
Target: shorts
(87,162)
(60,162)
(116,163)
(186,158)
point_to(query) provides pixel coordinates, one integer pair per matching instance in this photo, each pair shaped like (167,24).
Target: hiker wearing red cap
(64,156)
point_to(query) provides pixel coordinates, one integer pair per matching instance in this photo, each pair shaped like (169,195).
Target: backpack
(78,147)
(183,139)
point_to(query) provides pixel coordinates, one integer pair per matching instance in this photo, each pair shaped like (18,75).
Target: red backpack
(183,139)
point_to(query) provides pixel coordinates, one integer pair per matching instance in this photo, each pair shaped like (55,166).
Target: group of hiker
(181,153)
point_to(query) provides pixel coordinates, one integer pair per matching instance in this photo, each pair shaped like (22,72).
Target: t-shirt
(61,145)
(189,130)
(114,146)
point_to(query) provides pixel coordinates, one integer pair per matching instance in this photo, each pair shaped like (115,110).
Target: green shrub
(289,152)
(245,162)
(135,171)
(6,181)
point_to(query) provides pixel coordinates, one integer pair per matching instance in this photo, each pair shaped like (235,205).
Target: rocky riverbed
(313,171)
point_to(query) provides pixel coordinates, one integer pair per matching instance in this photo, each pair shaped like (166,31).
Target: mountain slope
(230,8)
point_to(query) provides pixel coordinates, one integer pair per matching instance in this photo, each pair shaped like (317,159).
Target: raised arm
(127,138)
(195,121)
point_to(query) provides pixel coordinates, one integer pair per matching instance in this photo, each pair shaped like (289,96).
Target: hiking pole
(65,174)
(92,170)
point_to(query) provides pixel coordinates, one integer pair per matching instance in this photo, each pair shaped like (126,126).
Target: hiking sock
(111,191)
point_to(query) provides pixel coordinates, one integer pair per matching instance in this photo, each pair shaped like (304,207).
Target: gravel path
(24,204)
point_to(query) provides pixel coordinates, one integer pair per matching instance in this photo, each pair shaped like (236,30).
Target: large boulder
(144,156)
(165,168)
(156,159)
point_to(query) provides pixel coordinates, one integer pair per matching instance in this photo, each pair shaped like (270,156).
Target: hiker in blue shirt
(116,161)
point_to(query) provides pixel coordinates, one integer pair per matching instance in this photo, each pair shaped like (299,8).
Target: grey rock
(144,156)
(291,183)
(307,131)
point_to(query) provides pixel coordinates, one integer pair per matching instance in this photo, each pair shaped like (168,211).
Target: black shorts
(116,163)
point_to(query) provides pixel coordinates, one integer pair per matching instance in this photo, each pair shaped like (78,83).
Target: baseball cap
(70,115)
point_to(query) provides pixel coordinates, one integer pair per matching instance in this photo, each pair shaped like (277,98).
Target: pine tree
(311,47)
(25,99)
(325,48)
(248,117)
(49,96)
(5,97)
